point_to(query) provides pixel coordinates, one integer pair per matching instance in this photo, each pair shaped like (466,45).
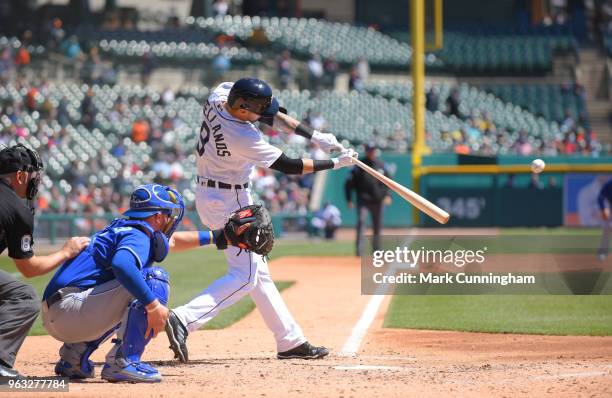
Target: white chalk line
(576,375)
(367,367)
(353,343)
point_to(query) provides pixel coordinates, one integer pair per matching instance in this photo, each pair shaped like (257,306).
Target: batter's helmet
(254,95)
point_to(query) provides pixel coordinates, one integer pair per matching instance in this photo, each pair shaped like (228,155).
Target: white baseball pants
(247,273)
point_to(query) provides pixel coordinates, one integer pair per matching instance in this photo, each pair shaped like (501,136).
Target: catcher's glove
(249,228)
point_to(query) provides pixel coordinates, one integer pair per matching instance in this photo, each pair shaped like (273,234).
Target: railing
(56,227)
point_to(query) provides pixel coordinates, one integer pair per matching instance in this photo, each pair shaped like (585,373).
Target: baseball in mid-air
(537,166)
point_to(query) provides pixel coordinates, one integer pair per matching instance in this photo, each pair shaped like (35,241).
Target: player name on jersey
(208,127)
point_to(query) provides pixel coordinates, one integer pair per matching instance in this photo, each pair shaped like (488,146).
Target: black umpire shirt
(16,224)
(368,188)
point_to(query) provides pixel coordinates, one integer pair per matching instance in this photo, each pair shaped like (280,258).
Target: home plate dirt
(240,361)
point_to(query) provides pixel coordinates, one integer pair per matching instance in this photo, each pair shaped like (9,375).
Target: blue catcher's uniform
(105,289)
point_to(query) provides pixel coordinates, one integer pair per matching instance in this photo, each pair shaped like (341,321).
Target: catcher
(113,286)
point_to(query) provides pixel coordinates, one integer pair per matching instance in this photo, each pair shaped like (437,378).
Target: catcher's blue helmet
(150,199)
(254,95)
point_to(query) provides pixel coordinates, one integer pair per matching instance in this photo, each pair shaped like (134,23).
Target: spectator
(363,69)
(22,58)
(318,122)
(432,99)
(399,138)
(32,99)
(461,146)
(330,68)
(118,150)
(56,33)
(149,63)
(453,103)
(568,123)
(6,63)
(568,145)
(315,72)
(109,74)
(140,131)
(88,109)
(92,69)
(220,8)
(327,220)
(167,96)
(284,68)
(355,81)
(522,145)
(71,48)
(220,65)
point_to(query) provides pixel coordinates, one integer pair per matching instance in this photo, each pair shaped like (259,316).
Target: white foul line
(352,344)
(367,367)
(571,375)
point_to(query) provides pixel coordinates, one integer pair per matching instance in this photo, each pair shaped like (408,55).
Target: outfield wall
(479,200)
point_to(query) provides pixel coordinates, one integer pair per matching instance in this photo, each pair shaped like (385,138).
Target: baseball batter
(230,145)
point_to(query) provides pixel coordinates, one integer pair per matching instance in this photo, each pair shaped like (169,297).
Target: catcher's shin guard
(123,360)
(74,358)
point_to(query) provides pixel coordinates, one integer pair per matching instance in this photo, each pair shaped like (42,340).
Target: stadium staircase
(593,75)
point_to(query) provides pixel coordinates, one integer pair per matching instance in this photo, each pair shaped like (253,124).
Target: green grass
(571,231)
(529,314)
(554,315)
(191,271)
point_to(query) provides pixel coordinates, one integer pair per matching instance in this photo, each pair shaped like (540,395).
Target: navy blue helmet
(253,95)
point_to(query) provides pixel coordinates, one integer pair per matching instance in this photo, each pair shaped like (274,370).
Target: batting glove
(345,159)
(326,141)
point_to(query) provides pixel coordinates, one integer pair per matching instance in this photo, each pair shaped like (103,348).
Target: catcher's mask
(150,199)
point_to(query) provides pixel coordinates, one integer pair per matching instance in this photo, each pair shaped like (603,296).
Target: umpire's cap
(253,95)
(19,158)
(150,199)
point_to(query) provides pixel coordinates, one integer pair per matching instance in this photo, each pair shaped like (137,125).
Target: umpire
(372,196)
(20,174)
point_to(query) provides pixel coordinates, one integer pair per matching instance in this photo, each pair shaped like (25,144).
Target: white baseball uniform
(228,150)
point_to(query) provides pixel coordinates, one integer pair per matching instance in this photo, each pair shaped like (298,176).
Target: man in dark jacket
(372,196)
(20,173)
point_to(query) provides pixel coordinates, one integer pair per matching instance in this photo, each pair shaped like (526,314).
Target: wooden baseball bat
(416,200)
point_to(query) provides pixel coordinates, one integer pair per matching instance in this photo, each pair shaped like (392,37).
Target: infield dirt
(326,300)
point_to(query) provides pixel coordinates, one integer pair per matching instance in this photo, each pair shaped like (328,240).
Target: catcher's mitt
(250,228)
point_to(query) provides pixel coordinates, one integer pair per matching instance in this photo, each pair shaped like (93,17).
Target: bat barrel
(412,197)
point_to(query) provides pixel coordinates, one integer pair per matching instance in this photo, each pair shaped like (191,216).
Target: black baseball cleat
(177,336)
(304,351)
(7,372)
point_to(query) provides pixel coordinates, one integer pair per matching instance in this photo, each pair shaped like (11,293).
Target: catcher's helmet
(254,95)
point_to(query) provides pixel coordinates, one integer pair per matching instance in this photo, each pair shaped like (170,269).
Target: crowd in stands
(481,133)
(320,73)
(81,192)
(74,191)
